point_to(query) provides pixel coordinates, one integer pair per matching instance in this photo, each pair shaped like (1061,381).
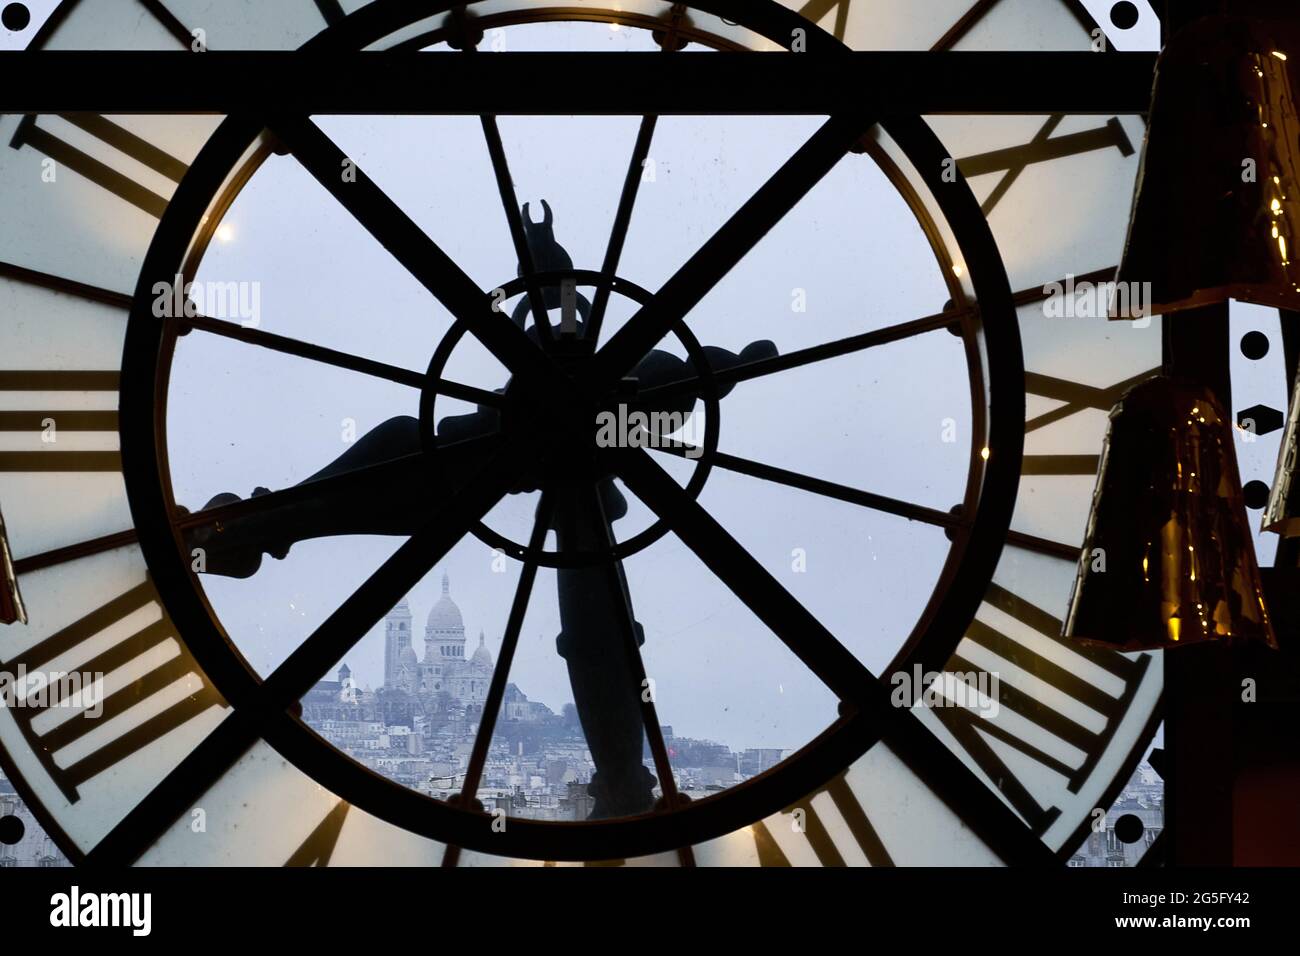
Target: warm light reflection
(1252,101)
(225,232)
(1170,517)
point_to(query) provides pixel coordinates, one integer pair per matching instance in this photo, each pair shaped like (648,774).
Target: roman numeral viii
(104,687)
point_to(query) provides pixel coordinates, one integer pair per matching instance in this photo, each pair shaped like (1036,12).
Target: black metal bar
(501,675)
(818,649)
(731,243)
(744,371)
(622,219)
(514,219)
(819,486)
(505,659)
(882,83)
(410,246)
(941,770)
(345,360)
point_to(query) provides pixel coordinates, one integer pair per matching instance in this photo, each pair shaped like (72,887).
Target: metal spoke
(938,767)
(501,674)
(728,245)
(789,620)
(83,549)
(201,769)
(814,353)
(345,360)
(419,254)
(618,235)
(819,486)
(257,711)
(514,218)
(867,499)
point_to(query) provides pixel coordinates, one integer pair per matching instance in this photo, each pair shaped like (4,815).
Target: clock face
(278,403)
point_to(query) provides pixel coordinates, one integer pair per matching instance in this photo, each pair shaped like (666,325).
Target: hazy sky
(242,417)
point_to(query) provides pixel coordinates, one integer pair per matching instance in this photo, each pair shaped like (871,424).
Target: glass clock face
(294,470)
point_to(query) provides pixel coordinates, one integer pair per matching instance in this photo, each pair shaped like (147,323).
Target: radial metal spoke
(867,499)
(622,220)
(419,254)
(789,620)
(728,246)
(501,674)
(819,486)
(194,776)
(815,353)
(938,767)
(345,360)
(83,549)
(515,220)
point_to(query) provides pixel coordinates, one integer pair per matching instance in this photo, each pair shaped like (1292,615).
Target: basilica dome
(445,615)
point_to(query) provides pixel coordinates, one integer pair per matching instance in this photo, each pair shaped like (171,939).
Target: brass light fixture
(1282,513)
(1216,212)
(1167,559)
(11,600)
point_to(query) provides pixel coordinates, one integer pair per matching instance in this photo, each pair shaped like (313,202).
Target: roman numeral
(118,139)
(1076,397)
(806,825)
(814,10)
(1057,663)
(54,422)
(128,690)
(319,846)
(1013,160)
(1059,464)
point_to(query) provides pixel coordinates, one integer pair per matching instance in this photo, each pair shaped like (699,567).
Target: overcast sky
(242,417)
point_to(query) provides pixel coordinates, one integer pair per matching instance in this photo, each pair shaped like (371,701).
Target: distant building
(444,668)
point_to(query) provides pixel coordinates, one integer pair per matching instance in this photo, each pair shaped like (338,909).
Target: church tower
(397,637)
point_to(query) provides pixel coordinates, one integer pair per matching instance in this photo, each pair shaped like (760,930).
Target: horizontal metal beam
(883,83)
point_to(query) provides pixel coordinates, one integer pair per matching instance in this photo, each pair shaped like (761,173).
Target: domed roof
(482,655)
(406,657)
(445,615)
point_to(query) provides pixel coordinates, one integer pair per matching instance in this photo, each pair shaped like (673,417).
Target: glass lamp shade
(1216,211)
(1282,513)
(1168,559)
(11,601)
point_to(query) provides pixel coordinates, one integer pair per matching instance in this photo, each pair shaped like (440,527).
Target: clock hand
(595,620)
(383,484)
